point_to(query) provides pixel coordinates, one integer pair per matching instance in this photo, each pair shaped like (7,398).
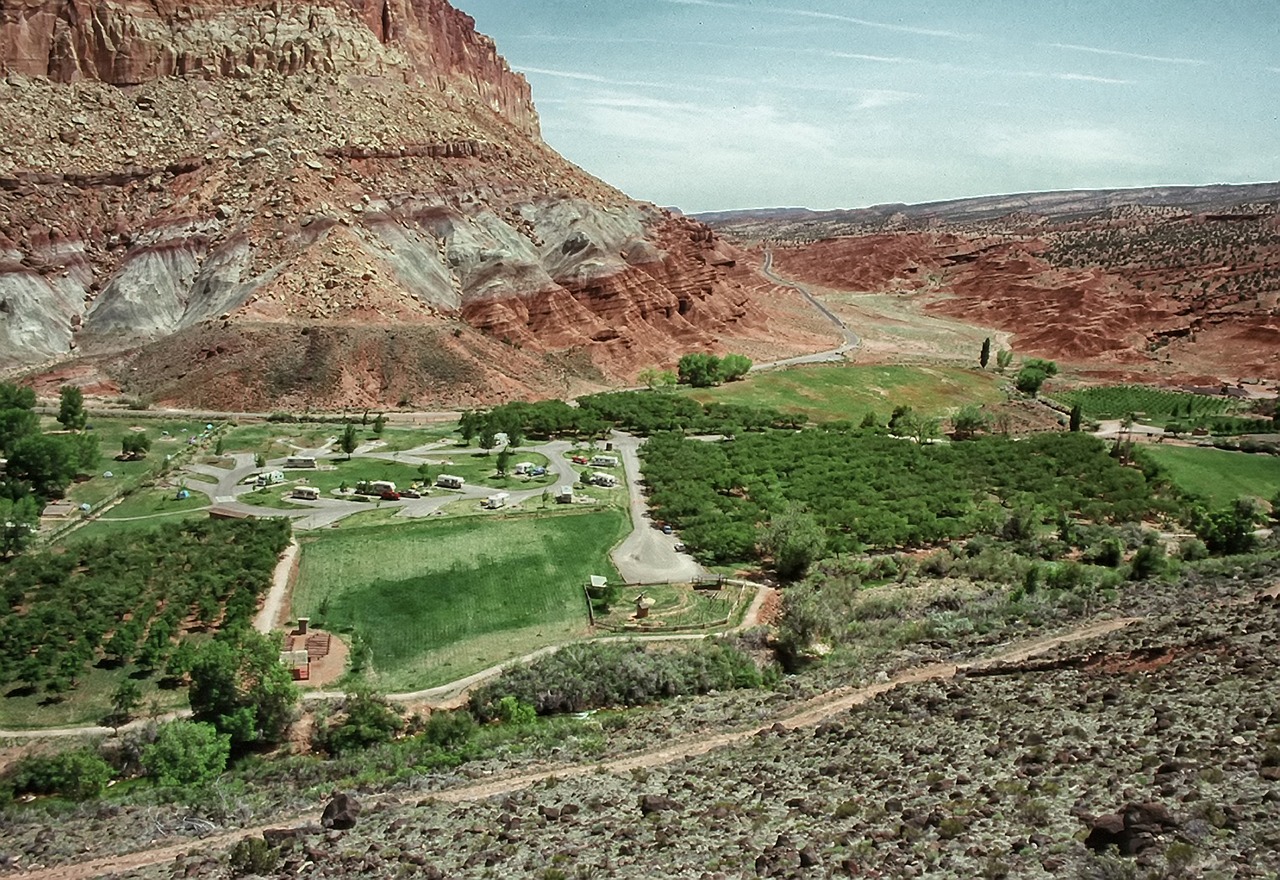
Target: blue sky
(716,104)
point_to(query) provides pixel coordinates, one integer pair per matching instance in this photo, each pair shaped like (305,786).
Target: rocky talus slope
(249,204)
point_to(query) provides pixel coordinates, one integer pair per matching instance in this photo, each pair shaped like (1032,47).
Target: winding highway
(851,339)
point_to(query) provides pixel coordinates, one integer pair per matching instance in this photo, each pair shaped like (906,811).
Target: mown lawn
(435,601)
(1219,475)
(834,392)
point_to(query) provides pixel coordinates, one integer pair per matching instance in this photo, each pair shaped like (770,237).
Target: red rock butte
(259,205)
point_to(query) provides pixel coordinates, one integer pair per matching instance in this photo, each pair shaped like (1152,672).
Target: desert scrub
(589,676)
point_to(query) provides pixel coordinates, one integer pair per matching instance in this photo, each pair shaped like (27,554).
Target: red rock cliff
(132,42)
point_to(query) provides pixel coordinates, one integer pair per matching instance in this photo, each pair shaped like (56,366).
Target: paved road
(851,340)
(646,555)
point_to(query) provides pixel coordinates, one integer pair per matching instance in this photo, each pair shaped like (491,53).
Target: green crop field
(832,393)
(435,601)
(1153,404)
(1218,475)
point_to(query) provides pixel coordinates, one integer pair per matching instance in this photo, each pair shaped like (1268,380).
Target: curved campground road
(807,714)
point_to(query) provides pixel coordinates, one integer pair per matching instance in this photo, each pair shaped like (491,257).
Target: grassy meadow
(847,392)
(1218,475)
(435,601)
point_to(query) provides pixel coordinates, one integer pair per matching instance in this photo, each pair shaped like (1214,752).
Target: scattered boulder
(657,803)
(341,812)
(1131,830)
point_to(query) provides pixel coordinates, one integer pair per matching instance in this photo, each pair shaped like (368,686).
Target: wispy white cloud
(830,16)
(1116,53)
(858,56)
(1085,77)
(592,78)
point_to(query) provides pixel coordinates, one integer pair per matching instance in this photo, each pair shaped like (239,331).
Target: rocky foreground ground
(1151,750)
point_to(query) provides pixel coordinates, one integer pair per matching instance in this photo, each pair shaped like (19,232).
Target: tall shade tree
(239,685)
(699,370)
(71,408)
(794,539)
(734,366)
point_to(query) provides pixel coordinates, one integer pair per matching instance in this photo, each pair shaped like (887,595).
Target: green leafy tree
(17,415)
(79,775)
(125,699)
(135,444)
(699,370)
(657,380)
(985,356)
(1229,530)
(379,423)
(18,521)
(239,685)
(734,367)
(1030,379)
(1075,418)
(348,441)
(71,408)
(794,539)
(367,719)
(46,463)
(1004,357)
(218,446)
(186,753)
(968,422)
(504,459)
(469,425)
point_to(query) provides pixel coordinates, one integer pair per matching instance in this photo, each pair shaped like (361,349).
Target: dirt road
(808,714)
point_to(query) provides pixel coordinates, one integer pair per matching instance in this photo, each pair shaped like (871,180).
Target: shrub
(186,753)
(367,719)
(589,676)
(78,775)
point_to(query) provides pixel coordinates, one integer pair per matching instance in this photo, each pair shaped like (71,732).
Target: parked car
(580,459)
(680,548)
(666,530)
(410,493)
(390,496)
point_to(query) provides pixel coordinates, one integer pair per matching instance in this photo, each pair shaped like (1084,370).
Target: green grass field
(1219,475)
(435,601)
(831,393)
(126,474)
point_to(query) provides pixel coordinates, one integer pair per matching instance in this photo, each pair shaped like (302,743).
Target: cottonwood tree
(794,539)
(699,370)
(186,753)
(239,685)
(734,366)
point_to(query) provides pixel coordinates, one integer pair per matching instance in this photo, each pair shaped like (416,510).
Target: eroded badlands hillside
(252,205)
(1172,281)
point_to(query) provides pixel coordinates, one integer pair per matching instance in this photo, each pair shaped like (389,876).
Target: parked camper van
(604,461)
(307,493)
(449,481)
(268,478)
(300,461)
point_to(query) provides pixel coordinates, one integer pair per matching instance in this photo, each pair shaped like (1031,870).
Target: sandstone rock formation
(255,204)
(1182,282)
